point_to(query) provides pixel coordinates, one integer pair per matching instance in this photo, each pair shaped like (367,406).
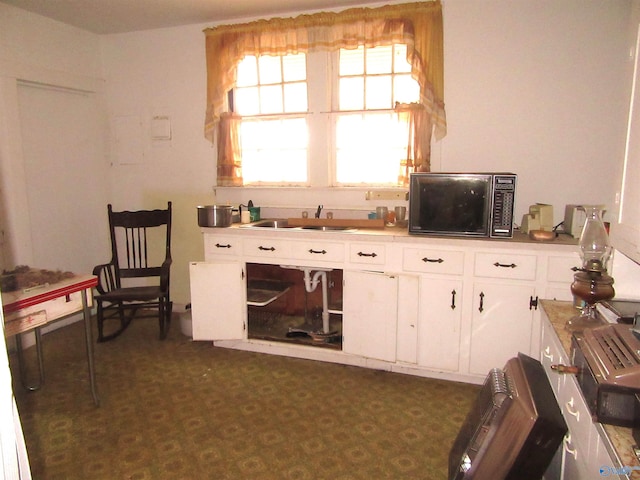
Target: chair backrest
(140,242)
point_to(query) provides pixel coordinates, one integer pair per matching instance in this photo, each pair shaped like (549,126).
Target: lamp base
(578,323)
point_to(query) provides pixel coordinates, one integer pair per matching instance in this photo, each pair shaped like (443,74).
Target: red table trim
(37,298)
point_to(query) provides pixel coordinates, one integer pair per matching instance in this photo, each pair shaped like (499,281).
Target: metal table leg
(23,372)
(89,340)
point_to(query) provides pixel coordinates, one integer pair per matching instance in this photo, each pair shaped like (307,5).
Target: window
(271,96)
(332,155)
(360,142)
(370,140)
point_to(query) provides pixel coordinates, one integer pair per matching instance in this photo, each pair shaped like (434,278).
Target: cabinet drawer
(318,250)
(267,248)
(367,253)
(433,261)
(562,268)
(505,265)
(552,353)
(575,412)
(215,245)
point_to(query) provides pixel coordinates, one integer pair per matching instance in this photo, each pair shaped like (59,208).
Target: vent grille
(620,356)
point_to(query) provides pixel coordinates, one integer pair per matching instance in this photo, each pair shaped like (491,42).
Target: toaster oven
(608,361)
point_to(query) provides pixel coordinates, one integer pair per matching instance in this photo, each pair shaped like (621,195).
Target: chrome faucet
(317,215)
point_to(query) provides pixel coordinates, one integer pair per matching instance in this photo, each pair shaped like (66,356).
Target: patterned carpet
(179,409)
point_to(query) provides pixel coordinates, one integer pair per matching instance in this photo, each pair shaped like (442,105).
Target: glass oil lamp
(591,283)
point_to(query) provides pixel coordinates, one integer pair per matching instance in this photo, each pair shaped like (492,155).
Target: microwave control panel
(504,191)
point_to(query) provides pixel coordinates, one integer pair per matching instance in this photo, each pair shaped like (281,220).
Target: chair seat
(131,294)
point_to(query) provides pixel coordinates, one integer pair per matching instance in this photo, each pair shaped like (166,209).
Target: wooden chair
(136,280)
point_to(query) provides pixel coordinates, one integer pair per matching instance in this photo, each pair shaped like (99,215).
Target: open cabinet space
(285,304)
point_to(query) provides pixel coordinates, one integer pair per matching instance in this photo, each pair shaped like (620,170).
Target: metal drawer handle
(571,411)
(323,252)
(270,249)
(453,299)
(567,446)
(504,265)
(372,255)
(481,307)
(219,245)
(432,260)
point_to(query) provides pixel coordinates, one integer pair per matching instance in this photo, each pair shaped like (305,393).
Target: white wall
(539,88)
(60,65)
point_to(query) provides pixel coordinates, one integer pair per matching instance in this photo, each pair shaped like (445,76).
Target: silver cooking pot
(215,215)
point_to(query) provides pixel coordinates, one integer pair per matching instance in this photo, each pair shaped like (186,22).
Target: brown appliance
(608,363)
(514,428)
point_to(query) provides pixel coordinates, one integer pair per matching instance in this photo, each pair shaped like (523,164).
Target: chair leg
(164,316)
(100,318)
(125,321)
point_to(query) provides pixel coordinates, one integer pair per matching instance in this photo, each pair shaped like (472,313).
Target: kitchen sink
(325,228)
(269,223)
(279,223)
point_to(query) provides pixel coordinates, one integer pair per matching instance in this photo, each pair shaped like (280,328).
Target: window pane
(379,92)
(247,101)
(351,93)
(379,60)
(270,69)
(405,89)
(295,97)
(274,151)
(247,72)
(294,67)
(351,62)
(369,148)
(400,64)
(271,99)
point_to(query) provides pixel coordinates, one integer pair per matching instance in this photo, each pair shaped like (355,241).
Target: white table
(30,309)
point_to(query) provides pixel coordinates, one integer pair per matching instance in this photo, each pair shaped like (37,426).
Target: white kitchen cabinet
(504,304)
(561,267)
(440,323)
(625,233)
(583,451)
(398,295)
(440,298)
(222,246)
(370,308)
(218,301)
(502,324)
(574,458)
(408,319)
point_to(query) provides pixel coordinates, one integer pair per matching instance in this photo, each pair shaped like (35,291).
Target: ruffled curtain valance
(418,25)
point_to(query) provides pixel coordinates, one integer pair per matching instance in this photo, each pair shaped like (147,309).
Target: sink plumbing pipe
(311,283)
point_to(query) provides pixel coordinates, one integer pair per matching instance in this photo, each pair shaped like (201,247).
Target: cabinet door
(218,301)
(439,327)
(501,325)
(370,305)
(408,315)
(625,235)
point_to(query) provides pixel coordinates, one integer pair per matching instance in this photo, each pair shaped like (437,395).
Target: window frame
(322,103)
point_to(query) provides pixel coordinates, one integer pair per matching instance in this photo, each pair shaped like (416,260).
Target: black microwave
(462,204)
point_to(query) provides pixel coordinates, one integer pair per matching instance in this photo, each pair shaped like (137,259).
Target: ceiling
(119,16)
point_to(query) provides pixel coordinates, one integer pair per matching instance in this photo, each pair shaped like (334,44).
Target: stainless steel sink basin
(279,223)
(270,223)
(322,228)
